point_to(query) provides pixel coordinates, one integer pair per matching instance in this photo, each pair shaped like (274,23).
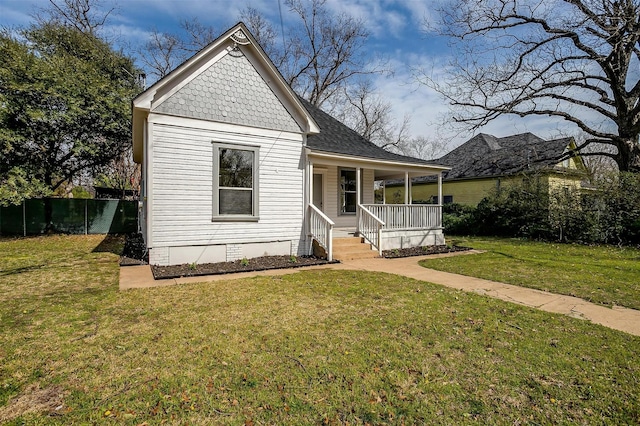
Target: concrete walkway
(617,318)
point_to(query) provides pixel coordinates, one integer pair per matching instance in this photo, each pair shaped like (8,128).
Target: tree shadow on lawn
(23,269)
(110,244)
(509,256)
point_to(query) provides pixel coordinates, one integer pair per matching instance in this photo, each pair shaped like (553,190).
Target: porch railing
(370,227)
(407,216)
(321,229)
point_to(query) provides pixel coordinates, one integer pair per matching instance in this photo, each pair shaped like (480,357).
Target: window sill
(235,219)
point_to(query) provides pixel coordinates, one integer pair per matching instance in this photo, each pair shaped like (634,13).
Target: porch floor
(344,232)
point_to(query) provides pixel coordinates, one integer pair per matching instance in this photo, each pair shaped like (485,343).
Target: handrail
(408,216)
(321,229)
(370,227)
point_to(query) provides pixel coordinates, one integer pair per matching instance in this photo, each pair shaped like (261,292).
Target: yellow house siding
(573,163)
(464,192)
(472,191)
(557,182)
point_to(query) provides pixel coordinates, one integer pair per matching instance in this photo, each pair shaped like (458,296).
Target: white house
(236,165)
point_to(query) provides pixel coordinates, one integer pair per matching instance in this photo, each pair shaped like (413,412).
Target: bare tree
(598,166)
(427,148)
(161,53)
(366,112)
(87,16)
(198,35)
(265,34)
(576,60)
(165,51)
(322,52)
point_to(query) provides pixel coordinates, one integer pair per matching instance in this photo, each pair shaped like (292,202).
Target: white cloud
(126,33)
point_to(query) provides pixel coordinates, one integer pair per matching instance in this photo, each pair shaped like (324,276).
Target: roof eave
(434,168)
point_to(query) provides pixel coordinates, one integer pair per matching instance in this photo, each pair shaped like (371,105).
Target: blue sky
(396,29)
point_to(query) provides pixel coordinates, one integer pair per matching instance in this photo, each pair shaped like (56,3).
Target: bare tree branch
(322,52)
(86,16)
(570,59)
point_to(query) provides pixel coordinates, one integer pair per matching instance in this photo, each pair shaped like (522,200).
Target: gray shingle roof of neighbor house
(486,156)
(335,137)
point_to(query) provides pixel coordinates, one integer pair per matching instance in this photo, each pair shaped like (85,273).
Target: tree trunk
(628,157)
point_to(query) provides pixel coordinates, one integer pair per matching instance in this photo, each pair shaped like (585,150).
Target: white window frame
(216,216)
(340,191)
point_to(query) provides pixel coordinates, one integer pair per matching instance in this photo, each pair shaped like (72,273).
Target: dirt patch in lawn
(244,265)
(33,400)
(422,251)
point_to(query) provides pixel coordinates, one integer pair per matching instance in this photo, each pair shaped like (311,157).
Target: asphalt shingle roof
(335,137)
(486,155)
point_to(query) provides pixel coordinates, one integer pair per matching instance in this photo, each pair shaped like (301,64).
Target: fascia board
(379,164)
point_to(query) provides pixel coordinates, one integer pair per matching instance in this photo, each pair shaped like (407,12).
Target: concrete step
(352,248)
(355,255)
(347,242)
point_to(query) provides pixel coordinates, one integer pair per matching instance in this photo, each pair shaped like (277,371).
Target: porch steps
(351,248)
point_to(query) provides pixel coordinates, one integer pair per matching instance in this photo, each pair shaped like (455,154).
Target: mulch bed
(135,253)
(422,251)
(245,265)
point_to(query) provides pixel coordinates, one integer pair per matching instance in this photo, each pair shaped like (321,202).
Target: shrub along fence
(69,216)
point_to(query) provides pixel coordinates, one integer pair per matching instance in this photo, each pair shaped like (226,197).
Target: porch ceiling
(390,174)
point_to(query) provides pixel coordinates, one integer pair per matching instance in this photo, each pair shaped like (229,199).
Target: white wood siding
(332,203)
(182,184)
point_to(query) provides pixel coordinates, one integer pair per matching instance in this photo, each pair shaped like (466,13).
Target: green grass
(606,275)
(315,347)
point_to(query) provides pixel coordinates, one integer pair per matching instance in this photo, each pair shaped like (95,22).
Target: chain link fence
(69,216)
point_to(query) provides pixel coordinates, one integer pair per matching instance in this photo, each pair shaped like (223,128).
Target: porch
(342,201)
(403,226)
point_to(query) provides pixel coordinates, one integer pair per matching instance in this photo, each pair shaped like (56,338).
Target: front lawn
(601,274)
(314,347)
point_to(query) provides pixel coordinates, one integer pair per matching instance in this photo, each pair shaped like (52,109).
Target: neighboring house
(485,163)
(235,165)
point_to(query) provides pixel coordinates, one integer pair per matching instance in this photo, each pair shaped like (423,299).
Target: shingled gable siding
(230,91)
(183,182)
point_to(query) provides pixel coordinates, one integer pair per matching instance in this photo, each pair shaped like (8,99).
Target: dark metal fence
(69,216)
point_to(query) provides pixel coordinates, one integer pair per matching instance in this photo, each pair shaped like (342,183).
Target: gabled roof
(325,134)
(487,156)
(336,137)
(237,36)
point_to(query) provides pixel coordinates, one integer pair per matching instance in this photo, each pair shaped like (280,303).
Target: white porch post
(410,191)
(307,209)
(440,199)
(406,187)
(358,184)
(358,199)
(384,192)
(310,182)
(440,188)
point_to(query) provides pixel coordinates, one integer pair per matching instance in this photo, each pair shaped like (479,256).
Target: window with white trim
(348,191)
(235,182)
